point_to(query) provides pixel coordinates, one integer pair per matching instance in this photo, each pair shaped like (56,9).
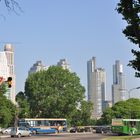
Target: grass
(121,138)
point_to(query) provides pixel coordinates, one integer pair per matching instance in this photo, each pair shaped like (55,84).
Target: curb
(4,136)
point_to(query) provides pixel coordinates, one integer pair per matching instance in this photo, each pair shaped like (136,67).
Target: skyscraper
(4,69)
(118,86)
(9,52)
(38,66)
(96,87)
(64,64)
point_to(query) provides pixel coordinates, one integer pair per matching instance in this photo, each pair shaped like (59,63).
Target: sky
(76,30)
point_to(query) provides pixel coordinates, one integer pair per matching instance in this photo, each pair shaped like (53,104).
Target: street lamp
(129,91)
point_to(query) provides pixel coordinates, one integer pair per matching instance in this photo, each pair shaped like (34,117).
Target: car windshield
(13,129)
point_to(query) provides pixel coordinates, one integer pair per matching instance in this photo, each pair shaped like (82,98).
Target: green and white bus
(125,126)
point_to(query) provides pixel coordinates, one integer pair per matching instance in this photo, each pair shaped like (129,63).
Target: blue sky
(77,30)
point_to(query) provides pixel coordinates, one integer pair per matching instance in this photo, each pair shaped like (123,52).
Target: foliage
(123,109)
(12,5)
(83,114)
(23,106)
(56,93)
(7,108)
(130,10)
(7,112)
(3,89)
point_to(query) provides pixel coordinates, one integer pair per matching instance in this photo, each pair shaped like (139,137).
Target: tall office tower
(38,66)
(118,87)
(4,70)
(96,87)
(9,52)
(64,64)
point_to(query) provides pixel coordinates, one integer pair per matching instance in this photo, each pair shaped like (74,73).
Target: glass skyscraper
(96,78)
(118,86)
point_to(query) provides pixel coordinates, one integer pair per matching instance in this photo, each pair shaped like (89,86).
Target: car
(20,131)
(73,130)
(7,130)
(103,129)
(106,130)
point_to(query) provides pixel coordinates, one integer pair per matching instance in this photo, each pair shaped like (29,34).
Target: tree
(123,109)
(82,116)
(54,93)
(130,10)
(12,6)
(23,110)
(7,108)
(3,89)
(7,111)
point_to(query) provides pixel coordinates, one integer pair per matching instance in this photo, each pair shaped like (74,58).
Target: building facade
(64,64)
(118,86)
(96,78)
(7,70)
(38,66)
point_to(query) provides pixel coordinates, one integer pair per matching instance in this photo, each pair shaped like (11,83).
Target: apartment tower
(9,53)
(96,78)
(118,86)
(64,64)
(38,66)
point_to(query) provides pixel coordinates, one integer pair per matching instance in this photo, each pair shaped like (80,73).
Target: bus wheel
(34,132)
(131,133)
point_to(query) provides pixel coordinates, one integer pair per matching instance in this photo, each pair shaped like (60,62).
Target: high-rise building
(4,69)
(9,52)
(64,64)
(118,86)
(96,87)
(38,66)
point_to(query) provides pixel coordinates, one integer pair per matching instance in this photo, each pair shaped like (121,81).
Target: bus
(125,126)
(39,125)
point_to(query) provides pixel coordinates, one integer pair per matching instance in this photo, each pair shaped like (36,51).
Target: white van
(20,131)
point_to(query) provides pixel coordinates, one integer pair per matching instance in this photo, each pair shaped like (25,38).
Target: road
(62,136)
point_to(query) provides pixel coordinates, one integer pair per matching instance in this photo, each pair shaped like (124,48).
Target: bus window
(132,123)
(38,123)
(46,123)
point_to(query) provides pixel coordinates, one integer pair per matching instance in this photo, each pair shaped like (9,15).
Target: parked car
(20,131)
(7,130)
(73,130)
(106,129)
(77,129)
(103,129)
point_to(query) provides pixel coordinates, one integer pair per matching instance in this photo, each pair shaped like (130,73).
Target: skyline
(50,30)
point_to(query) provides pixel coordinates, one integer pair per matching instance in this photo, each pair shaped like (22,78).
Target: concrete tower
(38,66)
(9,52)
(64,64)
(118,86)
(96,87)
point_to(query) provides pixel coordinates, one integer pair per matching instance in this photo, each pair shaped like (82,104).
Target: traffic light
(9,81)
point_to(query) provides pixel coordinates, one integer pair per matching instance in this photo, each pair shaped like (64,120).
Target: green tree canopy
(82,116)
(54,93)
(130,10)
(23,110)
(123,109)
(7,108)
